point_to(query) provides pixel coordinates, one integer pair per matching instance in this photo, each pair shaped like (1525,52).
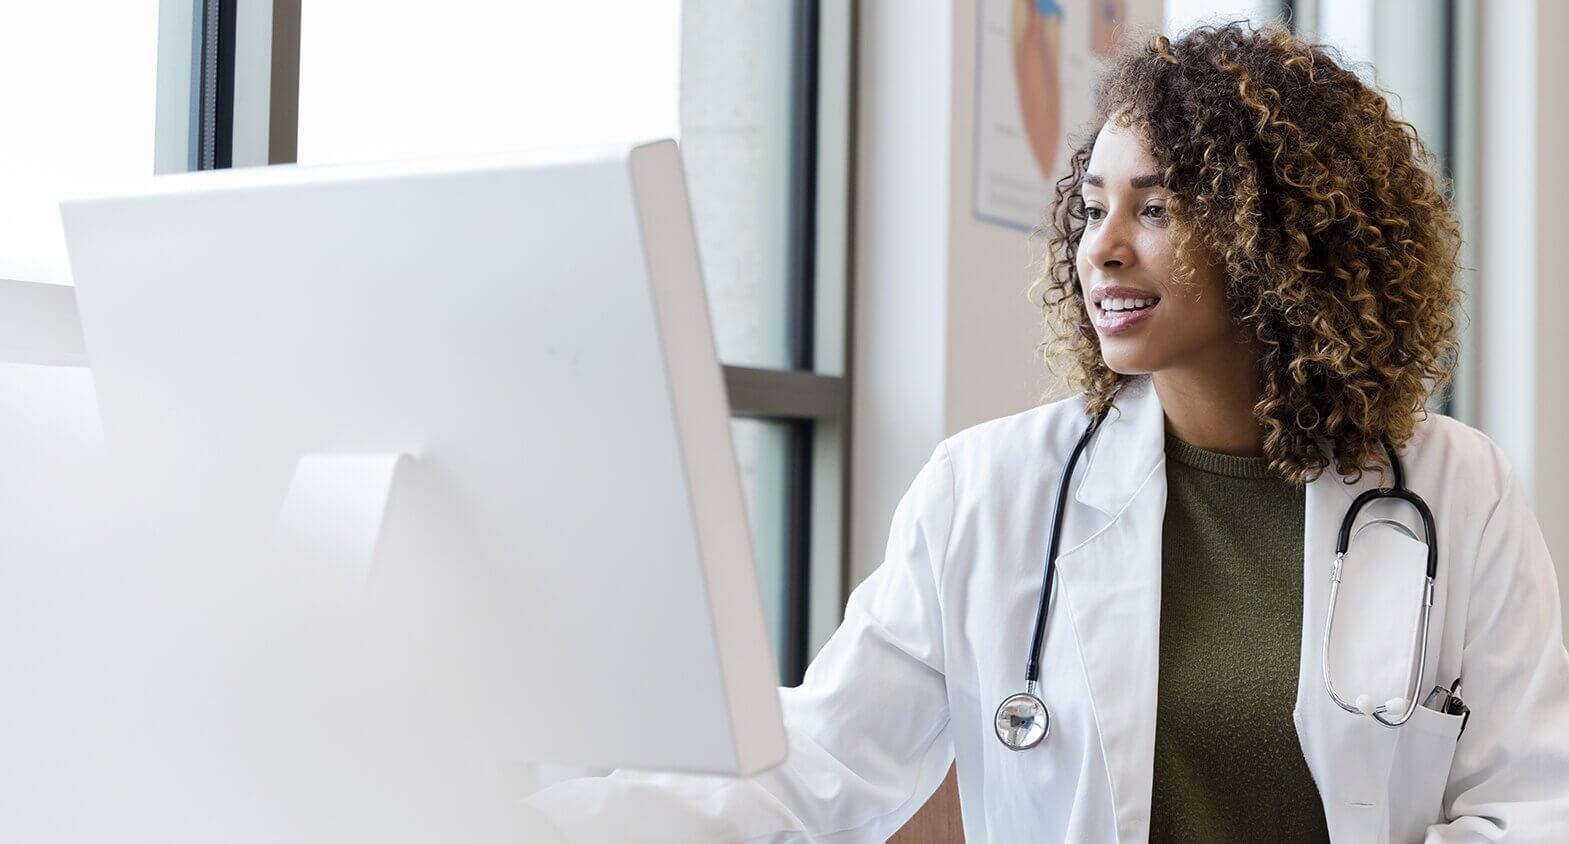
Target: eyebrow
(1150,180)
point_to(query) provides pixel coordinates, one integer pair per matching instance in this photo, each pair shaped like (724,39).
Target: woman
(1252,274)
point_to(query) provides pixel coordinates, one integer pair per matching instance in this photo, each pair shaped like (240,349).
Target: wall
(901,259)
(1551,481)
(1524,128)
(944,336)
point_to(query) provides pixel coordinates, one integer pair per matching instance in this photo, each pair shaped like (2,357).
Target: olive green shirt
(1228,766)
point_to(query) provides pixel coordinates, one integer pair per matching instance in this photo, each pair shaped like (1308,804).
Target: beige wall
(992,329)
(1552,381)
(1522,253)
(944,336)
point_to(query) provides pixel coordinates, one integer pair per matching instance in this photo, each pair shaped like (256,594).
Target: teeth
(1125,304)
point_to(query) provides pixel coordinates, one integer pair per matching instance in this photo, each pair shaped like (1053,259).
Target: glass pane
(835,84)
(826,607)
(79,103)
(495,75)
(1348,25)
(483,76)
(1186,14)
(736,64)
(762,451)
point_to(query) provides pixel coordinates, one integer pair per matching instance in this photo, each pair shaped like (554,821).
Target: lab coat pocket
(1370,656)
(1423,753)
(1351,757)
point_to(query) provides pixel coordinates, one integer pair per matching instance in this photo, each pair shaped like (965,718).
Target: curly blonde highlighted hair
(1338,242)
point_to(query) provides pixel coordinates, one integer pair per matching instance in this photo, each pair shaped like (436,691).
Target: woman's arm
(1510,777)
(868,727)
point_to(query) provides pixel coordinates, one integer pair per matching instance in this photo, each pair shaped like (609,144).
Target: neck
(1212,407)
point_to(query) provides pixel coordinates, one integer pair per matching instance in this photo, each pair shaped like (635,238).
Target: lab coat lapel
(1110,594)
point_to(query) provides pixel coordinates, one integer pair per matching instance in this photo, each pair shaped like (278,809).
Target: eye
(1155,212)
(1093,214)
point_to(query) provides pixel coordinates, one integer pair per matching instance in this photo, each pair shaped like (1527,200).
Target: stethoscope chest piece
(1022,721)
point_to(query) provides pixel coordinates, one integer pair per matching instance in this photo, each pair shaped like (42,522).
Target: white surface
(39,325)
(57,671)
(78,107)
(564,572)
(385,79)
(334,510)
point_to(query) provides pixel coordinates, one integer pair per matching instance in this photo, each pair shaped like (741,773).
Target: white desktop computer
(414,471)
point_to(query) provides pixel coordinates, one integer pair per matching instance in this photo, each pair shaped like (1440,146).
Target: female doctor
(1252,277)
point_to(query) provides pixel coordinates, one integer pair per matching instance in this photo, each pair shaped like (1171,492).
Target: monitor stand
(335,509)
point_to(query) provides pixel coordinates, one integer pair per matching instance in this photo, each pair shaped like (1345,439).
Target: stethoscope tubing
(1032,670)
(1419,638)
(1343,540)
(1342,543)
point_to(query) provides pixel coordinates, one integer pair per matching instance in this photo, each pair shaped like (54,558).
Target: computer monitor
(428,462)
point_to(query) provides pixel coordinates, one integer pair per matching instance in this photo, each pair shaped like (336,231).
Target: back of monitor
(425,467)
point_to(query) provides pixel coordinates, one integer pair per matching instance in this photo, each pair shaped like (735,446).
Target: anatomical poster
(1035,69)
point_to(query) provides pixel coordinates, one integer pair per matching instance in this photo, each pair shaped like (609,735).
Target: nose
(1109,244)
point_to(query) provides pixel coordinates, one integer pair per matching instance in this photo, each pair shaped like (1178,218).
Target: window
(1185,14)
(757,92)
(85,115)
(482,76)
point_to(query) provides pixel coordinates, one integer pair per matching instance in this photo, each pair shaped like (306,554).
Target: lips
(1106,290)
(1116,322)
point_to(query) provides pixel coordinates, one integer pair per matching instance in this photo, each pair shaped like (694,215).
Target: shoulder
(1017,447)
(1470,485)
(1449,454)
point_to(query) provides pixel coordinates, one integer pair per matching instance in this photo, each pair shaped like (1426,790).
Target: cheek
(1203,302)
(1083,268)
(1081,261)
(1158,255)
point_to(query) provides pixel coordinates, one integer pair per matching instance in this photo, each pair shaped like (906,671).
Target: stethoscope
(1023,720)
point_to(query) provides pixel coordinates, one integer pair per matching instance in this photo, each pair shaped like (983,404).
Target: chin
(1126,364)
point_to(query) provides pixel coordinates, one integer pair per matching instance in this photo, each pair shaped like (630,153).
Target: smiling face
(1145,320)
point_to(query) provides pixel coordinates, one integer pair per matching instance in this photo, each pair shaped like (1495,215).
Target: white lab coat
(938,635)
